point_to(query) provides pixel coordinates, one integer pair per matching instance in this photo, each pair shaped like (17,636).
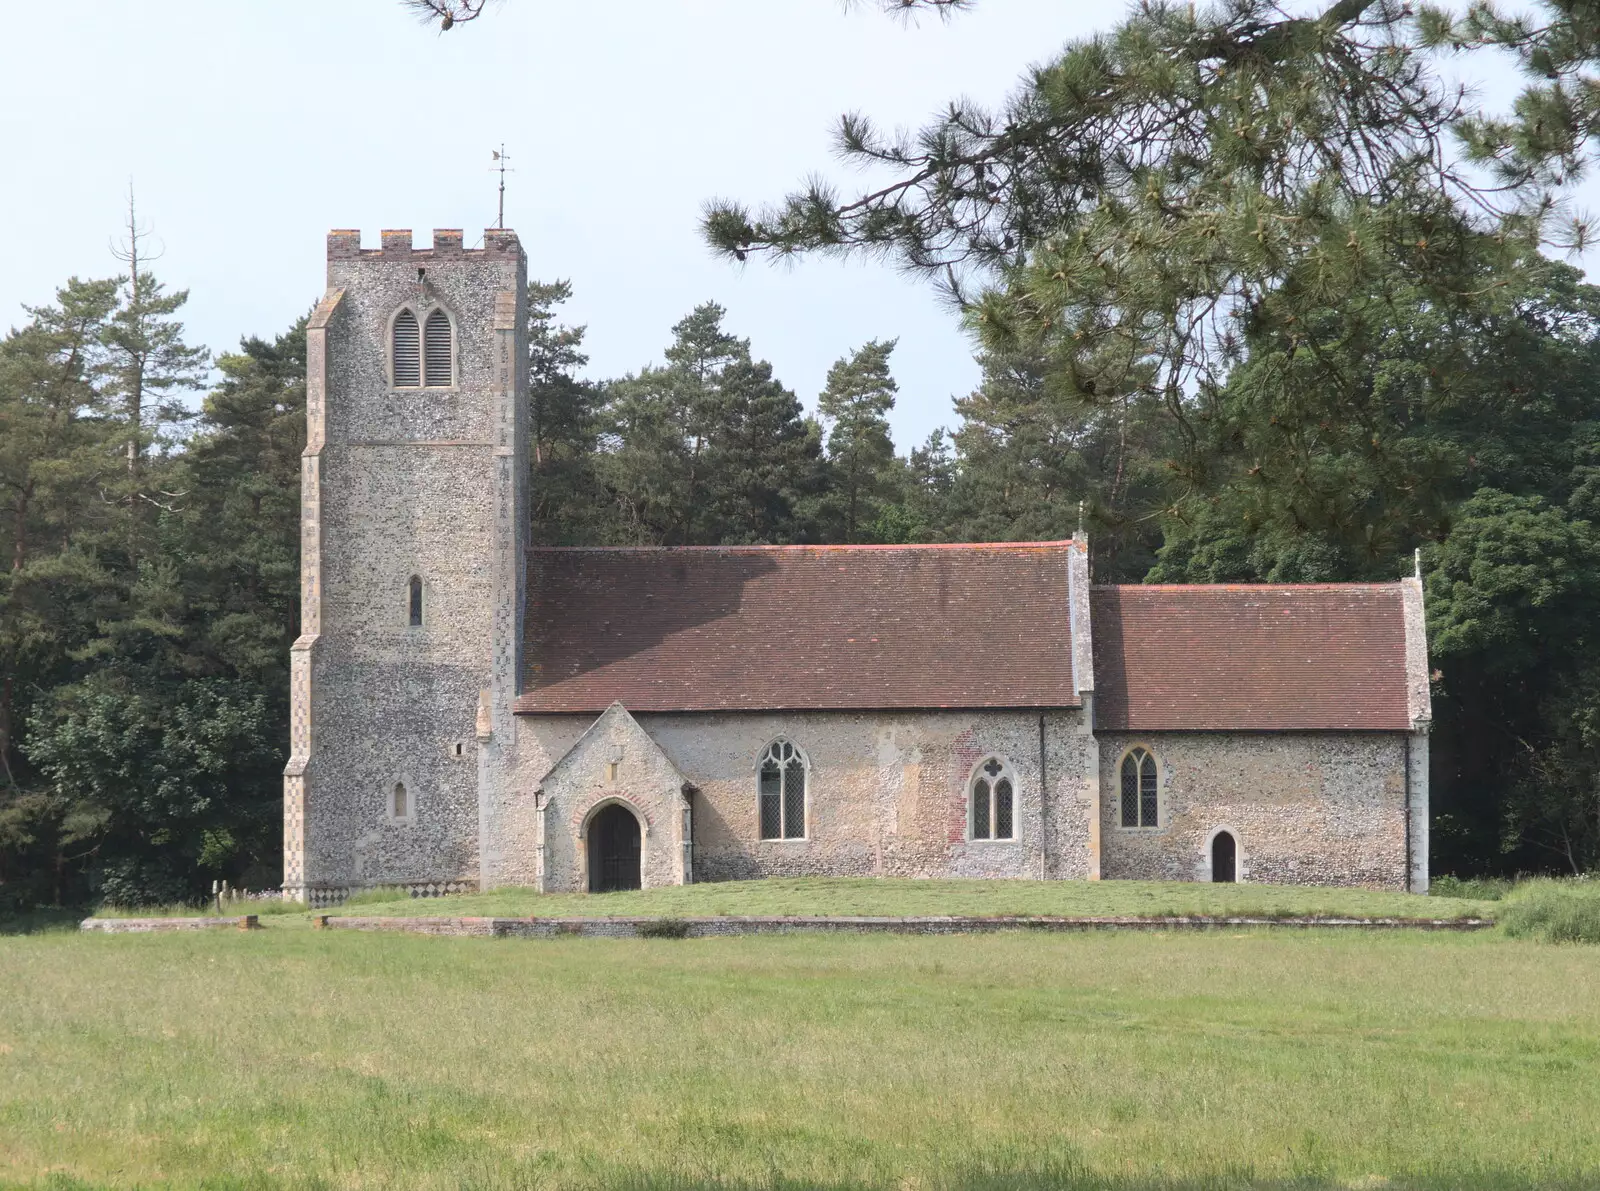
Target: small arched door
(613,850)
(1224,857)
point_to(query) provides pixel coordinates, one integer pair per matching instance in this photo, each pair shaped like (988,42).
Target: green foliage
(1553,911)
(1035,464)
(1489,889)
(710,449)
(146,615)
(854,406)
(568,502)
(151,781)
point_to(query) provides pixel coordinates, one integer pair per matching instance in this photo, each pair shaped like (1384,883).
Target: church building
(471,711)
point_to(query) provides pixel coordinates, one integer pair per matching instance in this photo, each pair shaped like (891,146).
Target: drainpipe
(1043,875)
(1409,865)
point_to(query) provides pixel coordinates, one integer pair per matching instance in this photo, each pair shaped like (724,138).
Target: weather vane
(500,167)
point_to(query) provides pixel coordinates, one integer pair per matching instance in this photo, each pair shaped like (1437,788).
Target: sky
(248,128)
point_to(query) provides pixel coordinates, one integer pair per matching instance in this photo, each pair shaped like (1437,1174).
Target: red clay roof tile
(797,627)
(1250,658)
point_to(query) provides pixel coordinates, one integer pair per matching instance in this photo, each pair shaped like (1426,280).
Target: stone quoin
(469,711)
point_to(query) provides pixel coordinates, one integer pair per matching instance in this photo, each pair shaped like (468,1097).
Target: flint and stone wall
(402,482)
(887,793)
(1304,808)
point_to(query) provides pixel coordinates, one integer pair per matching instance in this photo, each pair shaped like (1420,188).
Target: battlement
(344,244)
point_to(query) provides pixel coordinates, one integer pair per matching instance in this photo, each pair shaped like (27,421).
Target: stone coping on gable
(724,925)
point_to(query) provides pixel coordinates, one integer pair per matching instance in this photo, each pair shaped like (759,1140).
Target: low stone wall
(697,928)
(145,926)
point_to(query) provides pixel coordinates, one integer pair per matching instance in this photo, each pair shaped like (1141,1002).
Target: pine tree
(569,506)
(710,448)
(854,404)
(147,364)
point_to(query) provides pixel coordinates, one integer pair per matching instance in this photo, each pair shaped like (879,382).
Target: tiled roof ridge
(883,547)
(1356,585)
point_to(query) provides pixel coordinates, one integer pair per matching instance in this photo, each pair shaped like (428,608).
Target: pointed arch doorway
(1224,858)
(614,850)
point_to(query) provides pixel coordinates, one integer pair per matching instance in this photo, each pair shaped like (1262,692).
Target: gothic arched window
(782,791)
(993,801)
(407,351)
(437,362)
(1140,789)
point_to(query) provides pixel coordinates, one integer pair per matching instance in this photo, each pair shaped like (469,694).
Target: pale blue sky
(250,128)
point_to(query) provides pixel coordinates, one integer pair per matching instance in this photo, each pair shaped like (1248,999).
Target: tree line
(152,588)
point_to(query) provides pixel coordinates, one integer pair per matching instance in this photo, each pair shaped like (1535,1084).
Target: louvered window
(436,361)
(782,792)
(993,803)
(1141,804)
(407,353)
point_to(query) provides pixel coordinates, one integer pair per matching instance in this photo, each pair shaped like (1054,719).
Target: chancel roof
(798,628)
(1252,658)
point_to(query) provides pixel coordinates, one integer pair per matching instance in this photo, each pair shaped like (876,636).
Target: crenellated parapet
(395,244)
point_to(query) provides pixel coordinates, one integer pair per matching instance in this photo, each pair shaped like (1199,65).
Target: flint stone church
(471,711)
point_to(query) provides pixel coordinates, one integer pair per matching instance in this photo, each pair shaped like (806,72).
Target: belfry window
(436,354)
(1140,788)
(993,809)
(407,351)
(422,354)
(782,791)
(416,602)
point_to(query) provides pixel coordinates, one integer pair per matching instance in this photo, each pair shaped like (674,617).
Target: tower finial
(1416,562)
(1080,521)
(501,158)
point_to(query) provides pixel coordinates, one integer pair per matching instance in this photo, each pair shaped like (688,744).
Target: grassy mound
(1553,911)
(898,897)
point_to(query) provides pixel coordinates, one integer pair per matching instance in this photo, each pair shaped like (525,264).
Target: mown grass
(1228,1060)
(898,897)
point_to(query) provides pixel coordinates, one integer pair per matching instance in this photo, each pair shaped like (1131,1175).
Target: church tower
(413,506)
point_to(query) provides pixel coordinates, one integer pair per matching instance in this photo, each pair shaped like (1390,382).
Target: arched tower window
(407,351)
(400,805)
(437,363)
(1140,787)
(993,801)
(782,787)
(416,602)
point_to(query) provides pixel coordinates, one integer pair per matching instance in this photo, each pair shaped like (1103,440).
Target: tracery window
(782,792)
(1141,804)
(993,802)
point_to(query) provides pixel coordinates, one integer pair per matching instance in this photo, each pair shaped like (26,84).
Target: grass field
(1236,1059)
(891,896)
